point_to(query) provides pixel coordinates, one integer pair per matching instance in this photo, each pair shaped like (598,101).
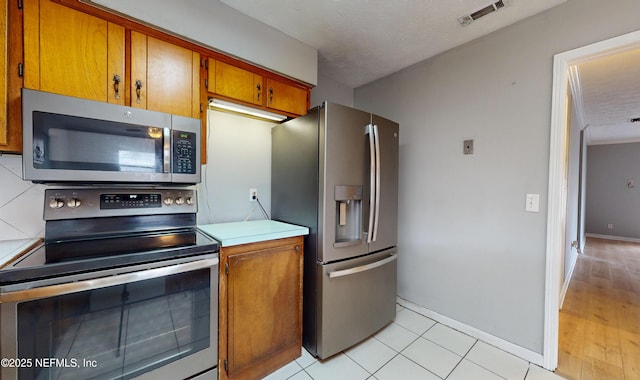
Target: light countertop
(9,249)
(253,231)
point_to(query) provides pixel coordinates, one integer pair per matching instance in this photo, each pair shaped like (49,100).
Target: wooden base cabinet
(260,311)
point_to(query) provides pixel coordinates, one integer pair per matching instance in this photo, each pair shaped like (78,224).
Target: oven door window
(116,332)
(63,142)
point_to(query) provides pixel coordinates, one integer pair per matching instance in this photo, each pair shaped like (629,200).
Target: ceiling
(607,97)
(359,41)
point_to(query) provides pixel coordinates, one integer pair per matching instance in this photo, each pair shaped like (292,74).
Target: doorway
(558,166)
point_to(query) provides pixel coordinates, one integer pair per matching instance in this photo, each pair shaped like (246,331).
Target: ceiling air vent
(468,19)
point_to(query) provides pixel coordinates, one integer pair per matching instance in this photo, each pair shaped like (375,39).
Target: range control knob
(189,201)
(74,203)
(56,203)
(179,201)
(168,201)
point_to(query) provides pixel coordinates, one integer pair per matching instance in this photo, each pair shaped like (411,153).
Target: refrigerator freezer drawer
(358,298)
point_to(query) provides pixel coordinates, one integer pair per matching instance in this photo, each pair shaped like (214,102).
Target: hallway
(599,335)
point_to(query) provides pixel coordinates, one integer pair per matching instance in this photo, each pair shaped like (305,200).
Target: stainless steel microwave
(67,139)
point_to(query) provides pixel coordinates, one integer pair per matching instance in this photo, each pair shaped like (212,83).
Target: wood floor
(600,318)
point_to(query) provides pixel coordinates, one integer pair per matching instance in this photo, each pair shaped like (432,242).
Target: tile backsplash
(21,202)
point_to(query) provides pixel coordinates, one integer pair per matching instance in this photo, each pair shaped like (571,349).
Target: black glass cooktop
(68,257)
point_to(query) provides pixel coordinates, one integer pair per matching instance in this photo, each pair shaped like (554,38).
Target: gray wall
(329,89)
(216,25)
(468,250)
(609,200)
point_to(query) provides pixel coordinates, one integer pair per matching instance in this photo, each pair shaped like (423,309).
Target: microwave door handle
(372,182)
(376,136)
(166,151)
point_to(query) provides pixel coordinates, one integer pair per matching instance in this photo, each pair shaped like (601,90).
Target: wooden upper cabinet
(287,98)
(164,77)
(236,83)
(263,91)
(72,53)
(4,16)
(71,48)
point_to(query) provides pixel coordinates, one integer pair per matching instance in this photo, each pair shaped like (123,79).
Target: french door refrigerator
(335,170)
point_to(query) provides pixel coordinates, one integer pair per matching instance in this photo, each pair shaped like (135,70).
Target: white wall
(468,250)
(239,158)
(573,192)
(213,24)
(609,200)
(583,194)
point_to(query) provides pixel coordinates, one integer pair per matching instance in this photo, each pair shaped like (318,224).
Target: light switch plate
(533,203)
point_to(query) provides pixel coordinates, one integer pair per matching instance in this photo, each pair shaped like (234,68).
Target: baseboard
(523,353)
(611,237)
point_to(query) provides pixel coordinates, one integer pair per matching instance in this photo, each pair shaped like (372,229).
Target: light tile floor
(415,347)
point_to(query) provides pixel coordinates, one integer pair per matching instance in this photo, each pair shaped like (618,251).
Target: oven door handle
(103,282)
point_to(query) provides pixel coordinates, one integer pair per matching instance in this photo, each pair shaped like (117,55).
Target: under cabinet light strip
(221,104)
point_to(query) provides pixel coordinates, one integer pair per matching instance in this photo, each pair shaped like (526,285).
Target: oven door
(158,323)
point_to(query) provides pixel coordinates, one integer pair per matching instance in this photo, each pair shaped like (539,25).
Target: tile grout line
(463,358)
(439,345)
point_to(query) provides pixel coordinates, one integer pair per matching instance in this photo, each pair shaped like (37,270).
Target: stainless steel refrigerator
(335,170)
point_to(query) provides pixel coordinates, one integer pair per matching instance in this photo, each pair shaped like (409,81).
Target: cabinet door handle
(116,86)
(138,90)
(270,95)
(258,88)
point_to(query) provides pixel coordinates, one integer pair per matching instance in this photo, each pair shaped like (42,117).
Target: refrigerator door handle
(372,184)
(362,268)
(377,206)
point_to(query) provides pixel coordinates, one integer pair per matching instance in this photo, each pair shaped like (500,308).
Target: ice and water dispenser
(348,215)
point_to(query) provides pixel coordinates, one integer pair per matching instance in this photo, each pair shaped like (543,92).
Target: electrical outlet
(610,226)
(253,195)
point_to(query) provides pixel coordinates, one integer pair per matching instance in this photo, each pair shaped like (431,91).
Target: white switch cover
(533,203)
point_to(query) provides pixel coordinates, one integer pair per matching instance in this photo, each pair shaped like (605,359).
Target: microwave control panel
(184,152)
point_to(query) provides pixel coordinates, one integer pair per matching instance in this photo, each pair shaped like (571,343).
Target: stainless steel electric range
(124,286)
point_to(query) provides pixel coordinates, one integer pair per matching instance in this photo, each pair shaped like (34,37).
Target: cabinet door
(163,76)
(237,83)
(3,69)
(264,310)
(287,98)
(66,50)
